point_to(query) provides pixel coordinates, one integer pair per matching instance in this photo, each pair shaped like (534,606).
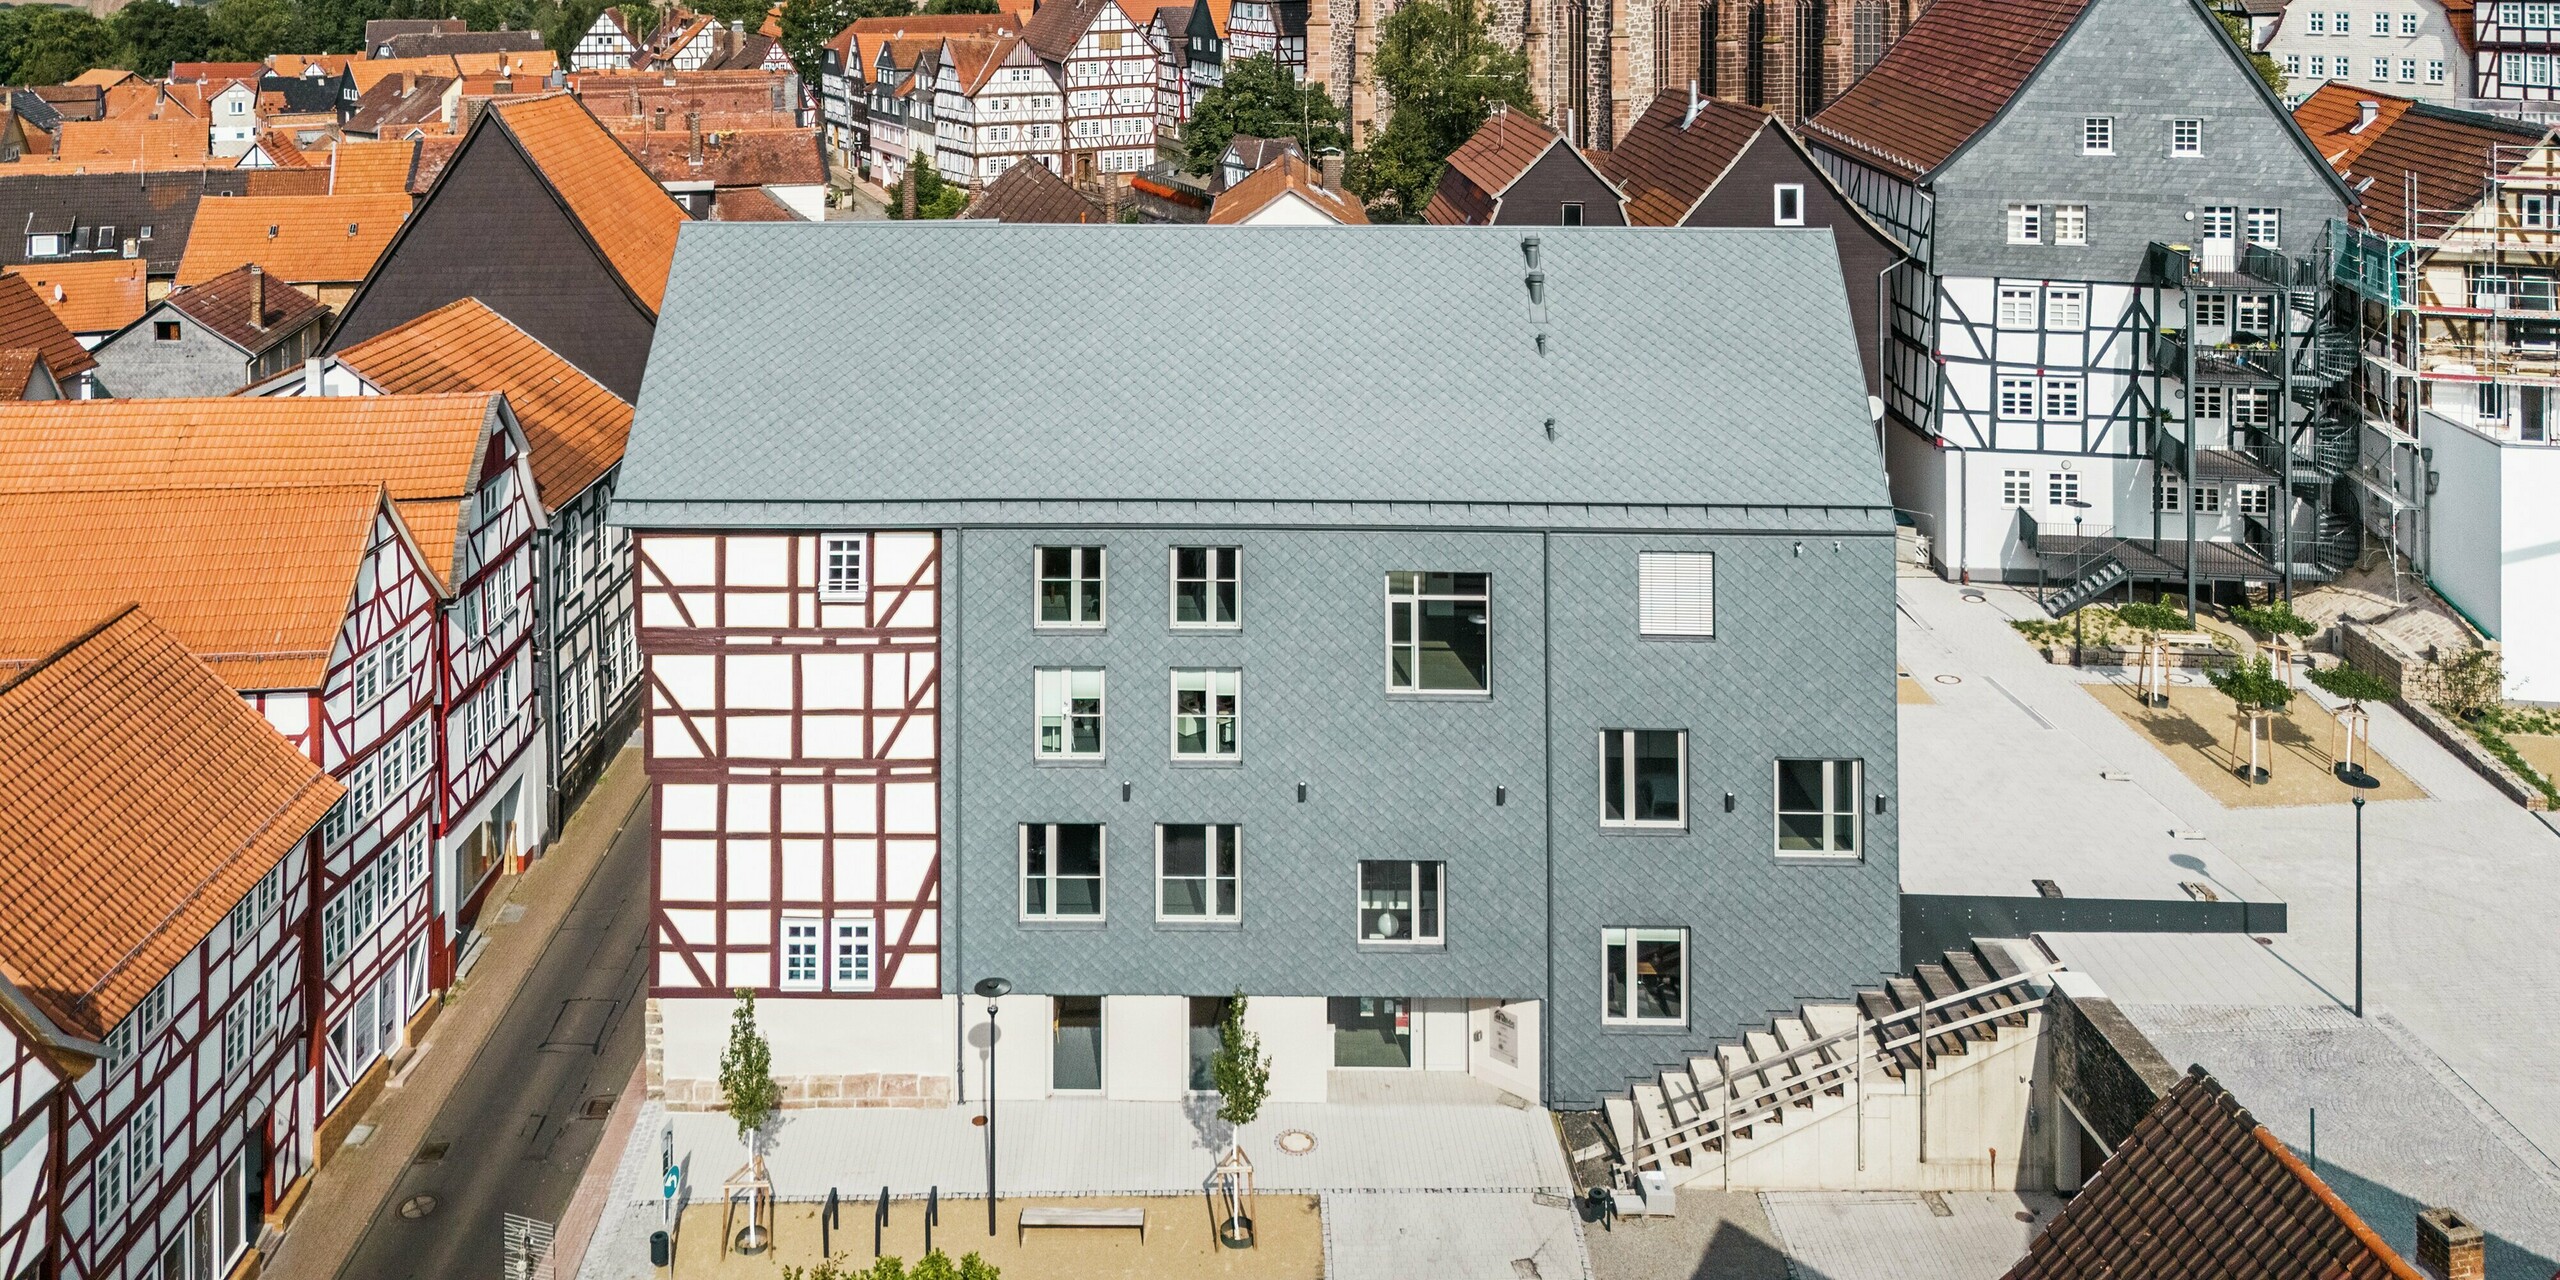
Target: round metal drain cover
(416,1207)
(1948,679)
(1974,597)
(1296,1142)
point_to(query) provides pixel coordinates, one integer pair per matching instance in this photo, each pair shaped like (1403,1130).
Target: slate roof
(98,296)
(1943,81)
(27,324)
(1289,175)
(1668,160)
(145,800)
(314,239)
(1028,192)
(255,580)
(427,44)
(2447,150)
(166,201)
(425,449)
(626,213)
(222,305)
(2200,1188)
(1490,160)
(574,429)
(377,31)
(1675,380)
(302,93)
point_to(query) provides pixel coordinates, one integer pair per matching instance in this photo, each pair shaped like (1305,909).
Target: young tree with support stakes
(1242,1076)
(747,1087)
(2152,669)
(2257,693)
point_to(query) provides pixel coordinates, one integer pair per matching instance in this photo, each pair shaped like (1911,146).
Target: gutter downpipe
(2187,424)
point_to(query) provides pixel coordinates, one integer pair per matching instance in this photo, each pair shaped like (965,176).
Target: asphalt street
(519,1127)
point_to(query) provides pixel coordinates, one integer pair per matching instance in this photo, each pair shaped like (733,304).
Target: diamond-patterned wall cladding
(1802,665)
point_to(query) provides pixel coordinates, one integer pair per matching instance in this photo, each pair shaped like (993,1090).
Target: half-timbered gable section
(27,1086)
(606,46)
(1108,74)
(153,937)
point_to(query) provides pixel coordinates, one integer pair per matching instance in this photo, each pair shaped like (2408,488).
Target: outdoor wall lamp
(1302,793)
(1879,804)
(1499,795)
(1728,802)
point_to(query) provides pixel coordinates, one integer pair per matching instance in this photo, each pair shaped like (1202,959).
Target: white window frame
(1233,715)
(1676,595)
(2167,496)
(2209,401)
(1234,574)
(2015,307)
(1627,938)
(2252,500)
(2017,488)
(1022,872)
(2273,220)
(2186,136)
(2026,224)
(2016,398)
(853,935)
(2071,224)
(1085,564)
(2062,488)
(1414,600)
(2319,25)
(794,947)
(2435,71)
(1415,871)
(832,586)
(2212,310)
(1220,839)
(2066,307)
(1061,681)
(2381,22)
(1787,204)
(2208,499)
(1856,812)
(2098,135)
(1625,739)
(2065,399)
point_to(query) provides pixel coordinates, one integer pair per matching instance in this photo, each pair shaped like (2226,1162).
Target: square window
(1061,871)
(2382,70)
(2263,226)
(2209,401)
(2208,499)
(2212,310)
(800,952)
(1070,586)
(1571,214)
(1371,1031)
(2381,23)
(840,565)
(2017,487)
(1644,976)
(1436,632)
(2071,224)
(1788,202)
(164,331)
(1676,594)
(1070,713)
(1400,903)
(1644,778)
(2062,399)
(2018,399)
(2062,488)
(2319,22)
(2098,136)
(2186,137)
(1818,802)
(2026,224)
(1196,872)
(2252,500)
(1204,586)
(2256,315)
(2017,306)
(1204,714)
(2066,307)
(2409,24)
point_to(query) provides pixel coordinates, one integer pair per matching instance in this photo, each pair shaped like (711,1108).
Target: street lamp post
(2079,513)
(2354,776)
(991,990)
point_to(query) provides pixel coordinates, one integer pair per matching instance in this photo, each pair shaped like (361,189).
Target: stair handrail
(1762,1101)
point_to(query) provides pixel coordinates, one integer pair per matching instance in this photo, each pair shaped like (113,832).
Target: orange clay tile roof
(99,296)
(26,323)
(371,168)
(1284,176)
(303,239)
(282,150)
(287,182)
(523,64)
(574,428)
(254,581)
(2443,151)
(425,449)
(108,145)
(294,64)
(216,73)
(630,217)
(103,77)
(145,799)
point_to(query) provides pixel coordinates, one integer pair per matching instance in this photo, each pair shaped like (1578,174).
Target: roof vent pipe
(1692,116)
(1529,250)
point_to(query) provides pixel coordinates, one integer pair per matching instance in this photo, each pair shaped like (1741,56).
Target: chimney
(312,383)
(661,124)
(2449,1246)
(2366,111)
(693,125)
(1332,162)
(257,297)
(777,95)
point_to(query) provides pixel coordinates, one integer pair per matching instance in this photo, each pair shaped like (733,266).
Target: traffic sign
(670,1192)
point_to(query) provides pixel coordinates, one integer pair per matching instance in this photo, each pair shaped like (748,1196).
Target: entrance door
(2533,426)
(1075,1050)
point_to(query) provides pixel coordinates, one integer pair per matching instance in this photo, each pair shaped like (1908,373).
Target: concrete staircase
(1858,1093)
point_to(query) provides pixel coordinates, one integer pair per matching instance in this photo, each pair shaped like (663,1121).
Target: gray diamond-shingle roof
(1353,374)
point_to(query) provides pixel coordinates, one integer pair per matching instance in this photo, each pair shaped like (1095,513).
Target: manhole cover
(1296,1142)
(598,1108)
(433,1152)
(1974,597)
(416,1207)
(2175,678)
(1949,679)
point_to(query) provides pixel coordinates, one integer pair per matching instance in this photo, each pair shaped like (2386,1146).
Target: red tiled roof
(1665,165)
(1029,192)
(1501,149)
(307,239)
(98,296)
(1285,176)
(2200,1188)
(145,799)
(222,305)
(17,371)
(1946,78)
(27,324)
(750,204)
(734,158)
(2447,152)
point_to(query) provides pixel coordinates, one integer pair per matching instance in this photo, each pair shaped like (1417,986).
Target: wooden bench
(1043,1217)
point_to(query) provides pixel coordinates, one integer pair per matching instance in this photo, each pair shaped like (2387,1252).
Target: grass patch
(2497,744)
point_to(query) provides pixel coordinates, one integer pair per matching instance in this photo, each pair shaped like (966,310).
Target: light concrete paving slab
(1717,1235)
(1451,1236)
(1883,1235)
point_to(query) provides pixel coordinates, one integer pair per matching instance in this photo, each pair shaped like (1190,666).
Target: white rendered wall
(2530,587)
(822,1037)
(1299,1042)
(1022,1047)
(1146,1047)
(1519,1076)
(1440,1029)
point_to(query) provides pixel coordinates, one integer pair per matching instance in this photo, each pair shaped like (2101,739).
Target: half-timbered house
(1108,73)
(995,106)
(606,45)
(1168,32)
(158,837)
(1274,29)
(1483,764)
(2109,317)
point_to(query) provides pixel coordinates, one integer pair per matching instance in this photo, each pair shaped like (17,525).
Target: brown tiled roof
(1501,149)
(216,73)
(424,449)
(574,428)
(1056,25)
(254,580)
(750,204)
(222,305)
(280,147)
(1945,79)
(359,168)
(1028,192)
(629,216)
(2200,1188)
(736,158)
(143,100)
(1665,166)
(285,182)
(310,239)
(103,76)
(1287,175)
(433,154)
(27,324)
(17,370)
(145,800)
(2447,152)
(395,101)
(98,296)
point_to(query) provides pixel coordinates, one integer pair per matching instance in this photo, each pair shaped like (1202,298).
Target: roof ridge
(20,677)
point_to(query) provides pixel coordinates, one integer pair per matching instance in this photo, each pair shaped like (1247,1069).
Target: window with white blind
(840,576)
(1676,593)
(2017,306)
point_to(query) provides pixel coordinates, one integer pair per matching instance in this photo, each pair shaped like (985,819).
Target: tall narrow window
(1436,632)
(1866,36)
(1788,199)
(1196,872)
(2098,136)
(2071,224)
(1818,807)
(1061,871)
(1204,586)
(1676,594)
(1812,24)
(800,952)
(852,956)
(1644,976)
(1204,714)
(840,576)
(1400,903)
(2186,137)
(1644,777)
(1070,713)
(1070,586)
(1708,15)
(1755,55)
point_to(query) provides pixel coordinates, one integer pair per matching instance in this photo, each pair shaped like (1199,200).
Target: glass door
(1371,1031)
(1075,1056)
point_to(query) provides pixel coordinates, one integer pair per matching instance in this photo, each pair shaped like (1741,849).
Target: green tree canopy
(1260,99)
(54,44)
(1441,72)
(155,33)
(2252,686)
(935,198)
(962,6)
(2237,27)
(250,30)
(2355,684)
(746,1070)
